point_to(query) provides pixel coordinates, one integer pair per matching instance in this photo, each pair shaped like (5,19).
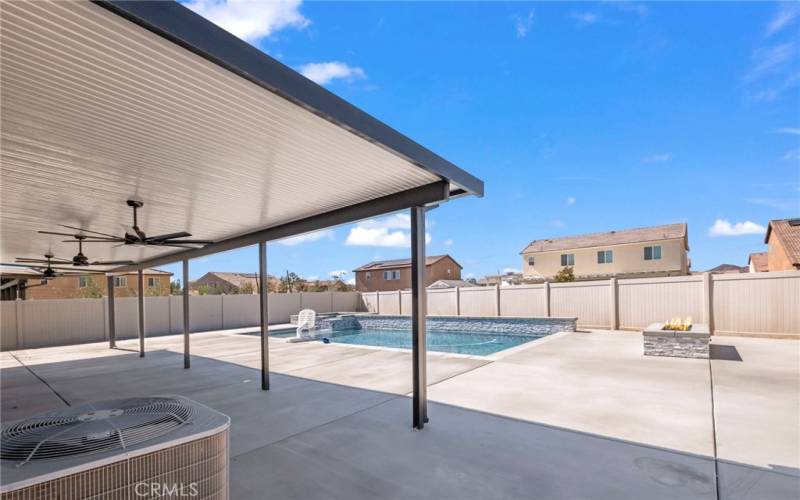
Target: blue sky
(580,117)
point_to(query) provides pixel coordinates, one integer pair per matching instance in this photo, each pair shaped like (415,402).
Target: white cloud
(523,24)
(788,130)
(380,237)
(448,243)
(507,270)
(351,281)
(571,201)
(586,17)
(657,157)
(768,202)
(769,60)
(338,273)
(793,155)
(785,16)
(640,10)
(557,223)
(313,277)
(306,238)
(723,227)
(325,72)
(391,231)
(251,20)
(394,221)
(468,276)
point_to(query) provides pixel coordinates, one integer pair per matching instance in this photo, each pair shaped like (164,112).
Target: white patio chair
(306,323)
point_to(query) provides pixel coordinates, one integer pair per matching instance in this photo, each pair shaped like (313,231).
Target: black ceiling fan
(49,272)
(134,235)
(79,260)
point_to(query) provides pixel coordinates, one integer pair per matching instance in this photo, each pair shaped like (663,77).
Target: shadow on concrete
(724,352)
(311,439)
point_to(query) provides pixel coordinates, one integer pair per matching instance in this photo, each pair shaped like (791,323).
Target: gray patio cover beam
(420,196)
(112,326)
(186,357)
(418,315)
(140,302)
(263,292)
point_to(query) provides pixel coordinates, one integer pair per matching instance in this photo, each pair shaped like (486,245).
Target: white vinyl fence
(39,323)
(752,304)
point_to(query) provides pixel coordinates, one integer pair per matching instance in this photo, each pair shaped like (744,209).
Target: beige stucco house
(388,275)
(648,251)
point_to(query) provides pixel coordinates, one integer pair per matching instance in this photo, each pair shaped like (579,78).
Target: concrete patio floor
(577,415)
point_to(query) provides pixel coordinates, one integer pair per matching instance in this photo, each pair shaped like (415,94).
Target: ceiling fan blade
(89,231)
(95,240)
(44,261)
(71,235)
(162,237)
(27,266)
(193,242)
(112,263)
(175,245)
(78,270)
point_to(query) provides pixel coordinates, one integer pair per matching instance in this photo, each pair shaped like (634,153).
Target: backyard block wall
(743,304)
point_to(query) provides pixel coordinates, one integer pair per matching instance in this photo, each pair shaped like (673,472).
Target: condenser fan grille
(94,427)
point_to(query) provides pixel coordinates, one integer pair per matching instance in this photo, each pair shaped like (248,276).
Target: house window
(448,271)
(652,253)
(120,281)
(567,259)
(530,260)
(151,282)
(391,275)
(83,281)
(368,275)
(605,257)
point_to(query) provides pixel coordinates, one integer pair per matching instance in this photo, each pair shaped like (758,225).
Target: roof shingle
(396,263)
(788,233)
(637,235)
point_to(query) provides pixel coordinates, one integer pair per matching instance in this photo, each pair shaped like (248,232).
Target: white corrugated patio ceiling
(102,102)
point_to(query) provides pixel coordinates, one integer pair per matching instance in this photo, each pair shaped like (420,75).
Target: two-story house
(25,284)
(388,275)
(648,251)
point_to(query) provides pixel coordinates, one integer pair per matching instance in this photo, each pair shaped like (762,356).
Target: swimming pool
(480,344)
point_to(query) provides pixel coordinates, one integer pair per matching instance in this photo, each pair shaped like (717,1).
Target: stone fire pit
(692,343)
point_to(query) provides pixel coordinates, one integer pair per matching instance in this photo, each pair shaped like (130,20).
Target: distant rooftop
(728,268)
(451,284)
(396,263)
(760,261)
(787,231)
(619,237)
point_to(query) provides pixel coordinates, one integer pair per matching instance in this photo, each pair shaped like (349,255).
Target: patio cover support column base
(418,315)
(263,290)
(140,301)
(186,358)
(112,327)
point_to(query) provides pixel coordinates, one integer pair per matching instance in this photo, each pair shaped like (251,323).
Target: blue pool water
(480,344)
